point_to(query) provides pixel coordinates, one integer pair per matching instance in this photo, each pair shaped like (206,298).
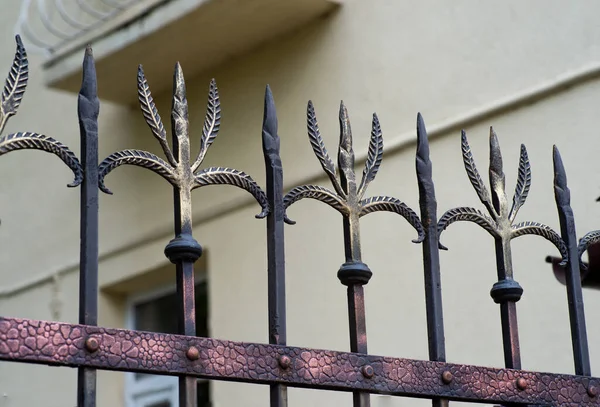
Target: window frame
(155,388)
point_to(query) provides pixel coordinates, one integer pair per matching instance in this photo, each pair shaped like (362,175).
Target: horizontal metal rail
(60,344)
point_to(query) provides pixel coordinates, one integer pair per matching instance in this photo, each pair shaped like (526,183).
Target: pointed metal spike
(89,88)
(178,82)
(495,153)
(269,130)
(422,141)
(345,129)
(497,179)
(561,190)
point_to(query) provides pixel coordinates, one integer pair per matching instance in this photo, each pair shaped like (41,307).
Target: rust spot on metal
(192,353)
(521,383)
(92,344)
(447,377)
(367,371)
(285,362)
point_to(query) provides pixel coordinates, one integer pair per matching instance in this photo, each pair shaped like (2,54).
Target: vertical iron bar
(431,255)
(183,250)
(573,275)
(353,273)
(88,108)
(275,238)
(508,304)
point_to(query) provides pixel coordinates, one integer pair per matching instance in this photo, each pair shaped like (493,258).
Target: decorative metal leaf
(346,153)
(229,176)
(538,229)
(389,204)
(374,156)
(473,173)
(467,215)
(315,192)
(16,82)
(523,184)
(497,178)
(318,146)
(138,158)
(28,140)
(586,241)
(151,114)
(212,123)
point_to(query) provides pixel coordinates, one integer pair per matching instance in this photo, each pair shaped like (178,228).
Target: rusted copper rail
(59,344)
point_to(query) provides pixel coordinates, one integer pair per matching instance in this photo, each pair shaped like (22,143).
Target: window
(157,312)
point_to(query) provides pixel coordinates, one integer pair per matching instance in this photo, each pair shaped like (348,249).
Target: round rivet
(92,344)
(521,383)
(368,371)
(192,353)
(447,377)
(285,362)
(592,391)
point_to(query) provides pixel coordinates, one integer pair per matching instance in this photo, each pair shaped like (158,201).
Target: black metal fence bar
(59,344)
(431,253)
(562,195)
(275,241)
(88,109)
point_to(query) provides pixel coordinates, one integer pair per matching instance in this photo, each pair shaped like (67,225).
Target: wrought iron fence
(87,347)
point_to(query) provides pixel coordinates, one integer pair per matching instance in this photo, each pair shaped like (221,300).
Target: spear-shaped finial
(573,272)
(88,105)
(270,138)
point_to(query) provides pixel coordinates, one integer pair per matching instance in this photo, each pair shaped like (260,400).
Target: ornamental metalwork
(88,347)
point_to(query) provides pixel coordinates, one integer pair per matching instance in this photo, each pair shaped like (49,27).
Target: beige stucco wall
(448,60)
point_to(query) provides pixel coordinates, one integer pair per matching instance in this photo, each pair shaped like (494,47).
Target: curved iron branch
(15,84)
(152,116)
(318,146)
(523,184)
(464,214)
(212,123)
(374,157)
(315,192)
(138,158)
(539,229)
(390,204)
(34,141)
(229,176)
(586,241)
(473,174)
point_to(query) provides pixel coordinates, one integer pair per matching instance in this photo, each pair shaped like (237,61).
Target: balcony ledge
(200,34)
